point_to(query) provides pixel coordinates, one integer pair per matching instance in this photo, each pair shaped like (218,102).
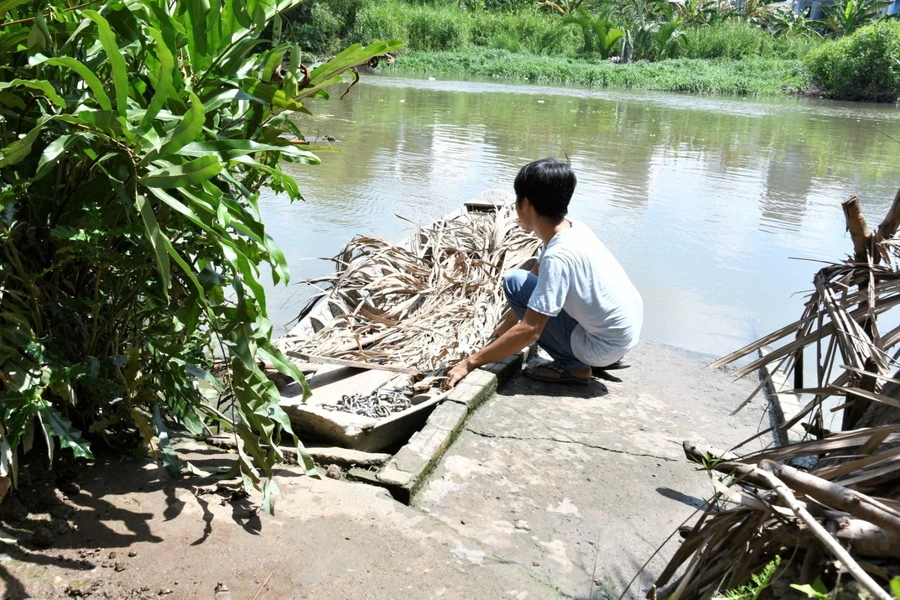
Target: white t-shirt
(579,275)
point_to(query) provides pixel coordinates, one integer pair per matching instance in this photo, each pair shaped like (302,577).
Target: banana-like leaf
(189,128)
(52,153)
(36,84)
(156,237)
(19,150)
(90,79)
(115,57)
(164,78)
(166,451)
(191,173)
(8,5)
(231,149)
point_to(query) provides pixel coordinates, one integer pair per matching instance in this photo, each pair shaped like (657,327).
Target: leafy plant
(758,583)
(846,16)
(653,31)
(134,142)
(817,590)
(702,12)
(785,21)
(563,7)
(599,34)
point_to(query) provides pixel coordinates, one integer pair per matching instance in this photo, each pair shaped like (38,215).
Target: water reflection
(702,199)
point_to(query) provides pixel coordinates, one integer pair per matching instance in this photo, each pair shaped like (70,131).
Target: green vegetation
(753,76)
(583,34)
(861,66)
(134,140)
(758,584)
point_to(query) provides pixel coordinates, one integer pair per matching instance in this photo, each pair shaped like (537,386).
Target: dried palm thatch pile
(424,306)
(838,521)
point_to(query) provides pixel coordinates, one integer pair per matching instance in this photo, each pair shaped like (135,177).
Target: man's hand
(456,374)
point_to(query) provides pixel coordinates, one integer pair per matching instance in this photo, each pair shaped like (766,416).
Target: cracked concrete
(561,441)
(550,492)
(579,486)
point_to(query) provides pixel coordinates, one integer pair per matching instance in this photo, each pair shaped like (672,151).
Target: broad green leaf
(11,100)
(7,5)
(52,153)
(280,176)
(271,95)
(109,121)
(198,46)
(56,425)
(190,127)
(274,58)
(276,28)
(115,57)
(41,23)
(166,451)
(20,149)
(163,79)
(280,272)
(186,268)
(240,13)
(156,237)
(352,56)
(895,587)
(36,39)
(229,149)
(196,171)
(227,97)
(37,84)
(90,79)
(268,352)
(269,490)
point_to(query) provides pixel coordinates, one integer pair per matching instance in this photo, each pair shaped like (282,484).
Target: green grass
(751,76)
(448,27)
(743,40)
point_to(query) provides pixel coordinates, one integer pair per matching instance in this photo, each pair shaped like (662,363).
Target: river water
(704,200)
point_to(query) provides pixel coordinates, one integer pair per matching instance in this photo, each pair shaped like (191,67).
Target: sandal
(563,376)
(597,371)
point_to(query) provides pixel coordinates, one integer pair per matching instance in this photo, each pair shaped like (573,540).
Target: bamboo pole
(891,222)
(862,249)
(837,496)
(821,533)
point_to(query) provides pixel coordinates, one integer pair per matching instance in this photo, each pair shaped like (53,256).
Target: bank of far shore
(745,77)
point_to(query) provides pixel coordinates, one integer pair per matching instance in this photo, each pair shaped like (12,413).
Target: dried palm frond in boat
(422,306)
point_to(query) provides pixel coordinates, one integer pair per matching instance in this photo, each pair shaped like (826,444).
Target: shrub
(134,145)
(320,32)
(379,21)
(725,40)
(741,40)
(437,28)
(862,66)
(523,31)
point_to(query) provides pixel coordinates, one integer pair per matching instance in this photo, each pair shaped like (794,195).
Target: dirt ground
(548,493)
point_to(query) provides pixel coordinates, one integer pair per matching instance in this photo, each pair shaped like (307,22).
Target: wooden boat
(335,379)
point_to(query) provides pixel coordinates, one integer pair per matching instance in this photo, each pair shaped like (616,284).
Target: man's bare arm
(522,334)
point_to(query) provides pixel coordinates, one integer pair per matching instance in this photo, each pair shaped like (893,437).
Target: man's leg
(556,338)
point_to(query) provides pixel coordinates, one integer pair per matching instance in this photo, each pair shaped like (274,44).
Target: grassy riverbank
(753,76)
(703,46)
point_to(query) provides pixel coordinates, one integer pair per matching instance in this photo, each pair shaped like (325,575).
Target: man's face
(522,213)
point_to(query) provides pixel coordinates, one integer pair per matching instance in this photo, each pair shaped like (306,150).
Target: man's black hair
(548,184)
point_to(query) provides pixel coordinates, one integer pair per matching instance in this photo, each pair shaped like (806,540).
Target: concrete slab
(580,485)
